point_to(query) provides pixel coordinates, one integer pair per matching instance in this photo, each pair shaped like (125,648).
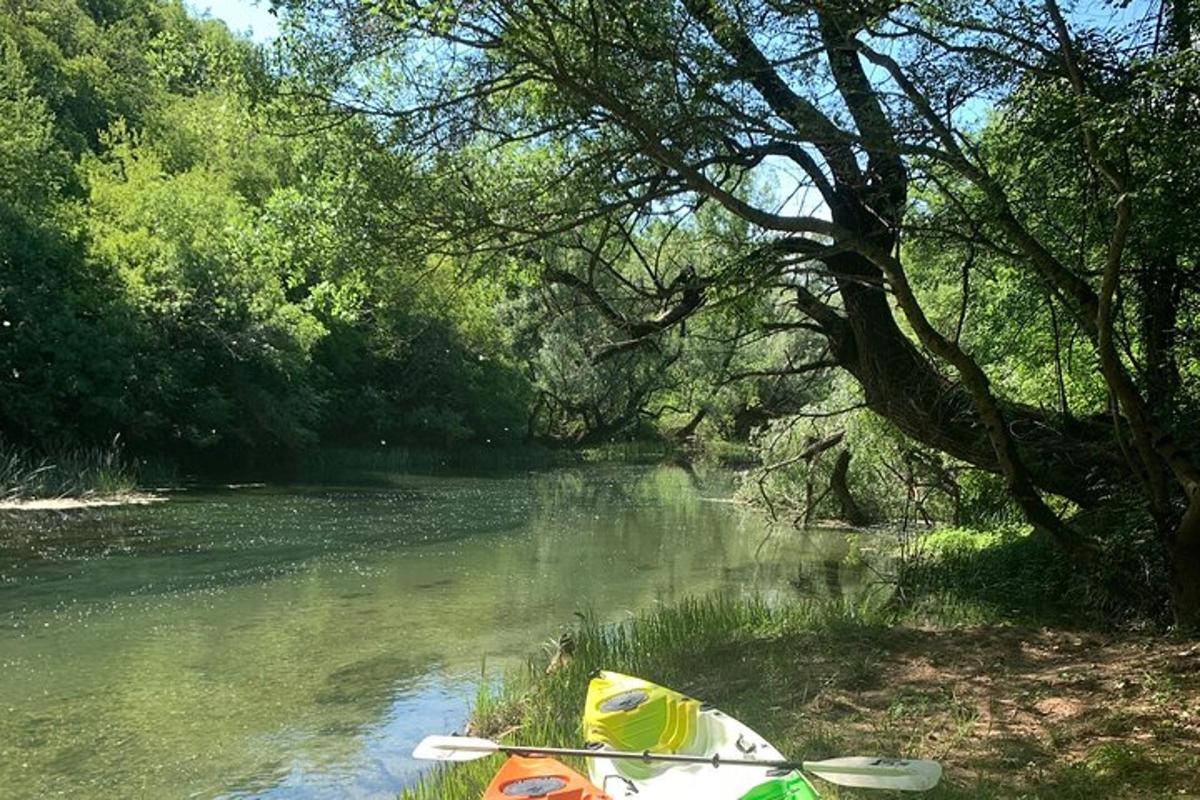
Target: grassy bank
(64,472)
(1010,711)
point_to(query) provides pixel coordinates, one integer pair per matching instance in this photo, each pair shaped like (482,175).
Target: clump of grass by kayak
(1010,712)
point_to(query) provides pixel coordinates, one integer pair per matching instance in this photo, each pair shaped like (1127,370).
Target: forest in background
(199,261)
(183,269)
(928,261)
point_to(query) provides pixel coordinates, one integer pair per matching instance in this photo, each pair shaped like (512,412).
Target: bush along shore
(1011,710)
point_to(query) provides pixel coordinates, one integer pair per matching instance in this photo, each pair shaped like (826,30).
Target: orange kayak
(522,777)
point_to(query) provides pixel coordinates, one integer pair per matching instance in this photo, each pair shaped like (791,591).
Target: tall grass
(531,707)
(66,472)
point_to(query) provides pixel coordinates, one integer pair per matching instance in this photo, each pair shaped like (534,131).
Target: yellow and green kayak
(625,713)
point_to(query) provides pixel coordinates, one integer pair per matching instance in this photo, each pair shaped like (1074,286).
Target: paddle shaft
(674,758)
(647,756)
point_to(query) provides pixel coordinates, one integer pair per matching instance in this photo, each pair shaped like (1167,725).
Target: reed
(64,472)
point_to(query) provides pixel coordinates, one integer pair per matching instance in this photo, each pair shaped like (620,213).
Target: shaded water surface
(296,642)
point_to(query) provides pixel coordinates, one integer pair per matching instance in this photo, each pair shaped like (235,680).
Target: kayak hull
(626,713)
(526,778)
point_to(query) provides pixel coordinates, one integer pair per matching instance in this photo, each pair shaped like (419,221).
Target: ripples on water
(297,642)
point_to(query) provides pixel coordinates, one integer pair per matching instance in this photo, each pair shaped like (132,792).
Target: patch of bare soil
(1045,713)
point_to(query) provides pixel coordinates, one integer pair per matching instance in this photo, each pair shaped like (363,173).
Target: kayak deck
(530,777)
(623,712)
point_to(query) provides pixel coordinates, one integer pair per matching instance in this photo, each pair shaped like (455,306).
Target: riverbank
(67,477)
(85,501)
(82,477)
(1009,710)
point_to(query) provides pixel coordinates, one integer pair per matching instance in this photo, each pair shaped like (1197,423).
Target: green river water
(296,642)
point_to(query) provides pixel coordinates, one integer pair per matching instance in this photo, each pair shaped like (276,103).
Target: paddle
(906,775)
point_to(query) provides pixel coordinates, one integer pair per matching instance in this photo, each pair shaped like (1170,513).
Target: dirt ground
(1010,712)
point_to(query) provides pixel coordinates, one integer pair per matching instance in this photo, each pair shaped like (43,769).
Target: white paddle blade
(454,748)
(866,772)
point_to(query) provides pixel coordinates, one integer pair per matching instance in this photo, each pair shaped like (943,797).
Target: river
(296,642)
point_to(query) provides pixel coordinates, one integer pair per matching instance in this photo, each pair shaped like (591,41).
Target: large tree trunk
(851,511)
(688,431)
(1183,563)
(867,202)
(902,385)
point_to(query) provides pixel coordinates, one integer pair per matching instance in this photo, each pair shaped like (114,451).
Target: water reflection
(295,643)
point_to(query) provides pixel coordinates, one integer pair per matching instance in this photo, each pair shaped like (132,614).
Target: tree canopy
(178,271)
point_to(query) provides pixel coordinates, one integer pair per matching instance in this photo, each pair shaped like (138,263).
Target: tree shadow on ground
(1009,711)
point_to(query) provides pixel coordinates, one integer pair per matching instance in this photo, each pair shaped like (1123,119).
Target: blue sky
(242,16)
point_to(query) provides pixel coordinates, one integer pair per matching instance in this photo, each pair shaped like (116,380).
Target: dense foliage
(200,259)
(177,272)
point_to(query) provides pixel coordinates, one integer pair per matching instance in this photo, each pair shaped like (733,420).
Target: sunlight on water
(296,643)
